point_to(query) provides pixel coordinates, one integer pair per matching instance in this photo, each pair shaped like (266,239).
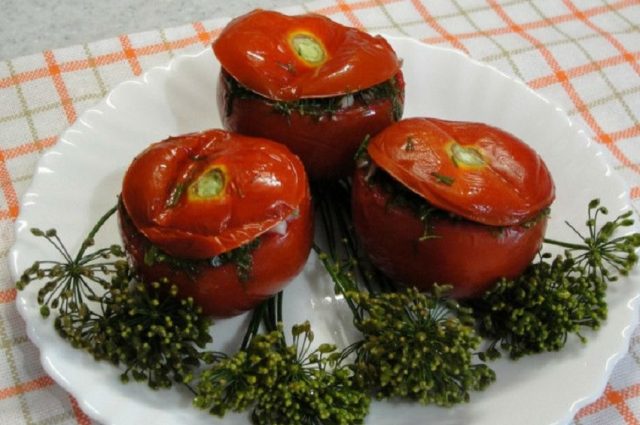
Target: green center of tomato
(308,49)
(209,185)
(466,156)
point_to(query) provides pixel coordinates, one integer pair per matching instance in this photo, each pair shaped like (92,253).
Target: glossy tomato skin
(327,143)
(258,184)
(473,170)
(218,290)
(282,58)
(259,50)
(200,195)
(467,255)
(490,191)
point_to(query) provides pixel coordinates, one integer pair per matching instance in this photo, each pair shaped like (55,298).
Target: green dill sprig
(602,254)
(284,384)
(69,283)
(145,328)
(537,311)
(418,346)
(558,296)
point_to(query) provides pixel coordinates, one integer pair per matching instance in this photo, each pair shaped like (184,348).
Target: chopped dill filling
(400,196)
(241,257)
(317,107)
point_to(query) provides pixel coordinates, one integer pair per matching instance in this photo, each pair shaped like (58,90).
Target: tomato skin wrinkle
(484,220)
(264,184)
(201,195)
(510,185)
(258,50)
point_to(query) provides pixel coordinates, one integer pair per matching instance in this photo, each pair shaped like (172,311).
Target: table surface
(30,26)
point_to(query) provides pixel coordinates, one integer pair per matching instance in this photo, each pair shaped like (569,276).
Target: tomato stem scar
(466,155)
(308,48)
(209,185)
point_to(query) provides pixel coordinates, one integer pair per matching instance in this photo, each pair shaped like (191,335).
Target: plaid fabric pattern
(584,55)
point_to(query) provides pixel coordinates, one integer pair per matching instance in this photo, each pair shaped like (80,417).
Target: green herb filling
(241,257)
(317,107)
(402,197)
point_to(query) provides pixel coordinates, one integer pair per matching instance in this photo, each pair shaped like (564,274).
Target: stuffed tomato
(450,202)
(308,82)
(225,217)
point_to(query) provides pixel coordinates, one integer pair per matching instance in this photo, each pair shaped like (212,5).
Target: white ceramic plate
(78,180)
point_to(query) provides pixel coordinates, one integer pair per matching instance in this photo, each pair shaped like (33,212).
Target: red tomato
(325,143)
(273,63)
(491,190)
(198,196)
(292,57)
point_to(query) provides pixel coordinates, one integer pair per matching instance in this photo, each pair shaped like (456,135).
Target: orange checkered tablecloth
(583,55)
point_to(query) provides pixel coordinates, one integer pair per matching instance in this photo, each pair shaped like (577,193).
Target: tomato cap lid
(473,170)
(292,57)
(203,194)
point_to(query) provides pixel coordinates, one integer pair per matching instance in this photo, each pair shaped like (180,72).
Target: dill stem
(254,324)
(94,231)
(273,314)
(566,244)
(335,277)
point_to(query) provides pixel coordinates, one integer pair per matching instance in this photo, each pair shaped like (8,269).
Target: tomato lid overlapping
(473,170)
(203,194)
(292,57)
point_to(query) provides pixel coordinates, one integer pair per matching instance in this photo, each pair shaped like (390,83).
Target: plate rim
(633,305)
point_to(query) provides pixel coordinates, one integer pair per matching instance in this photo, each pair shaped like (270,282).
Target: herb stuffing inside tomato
(308,82)
(225,217)
(450,202)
